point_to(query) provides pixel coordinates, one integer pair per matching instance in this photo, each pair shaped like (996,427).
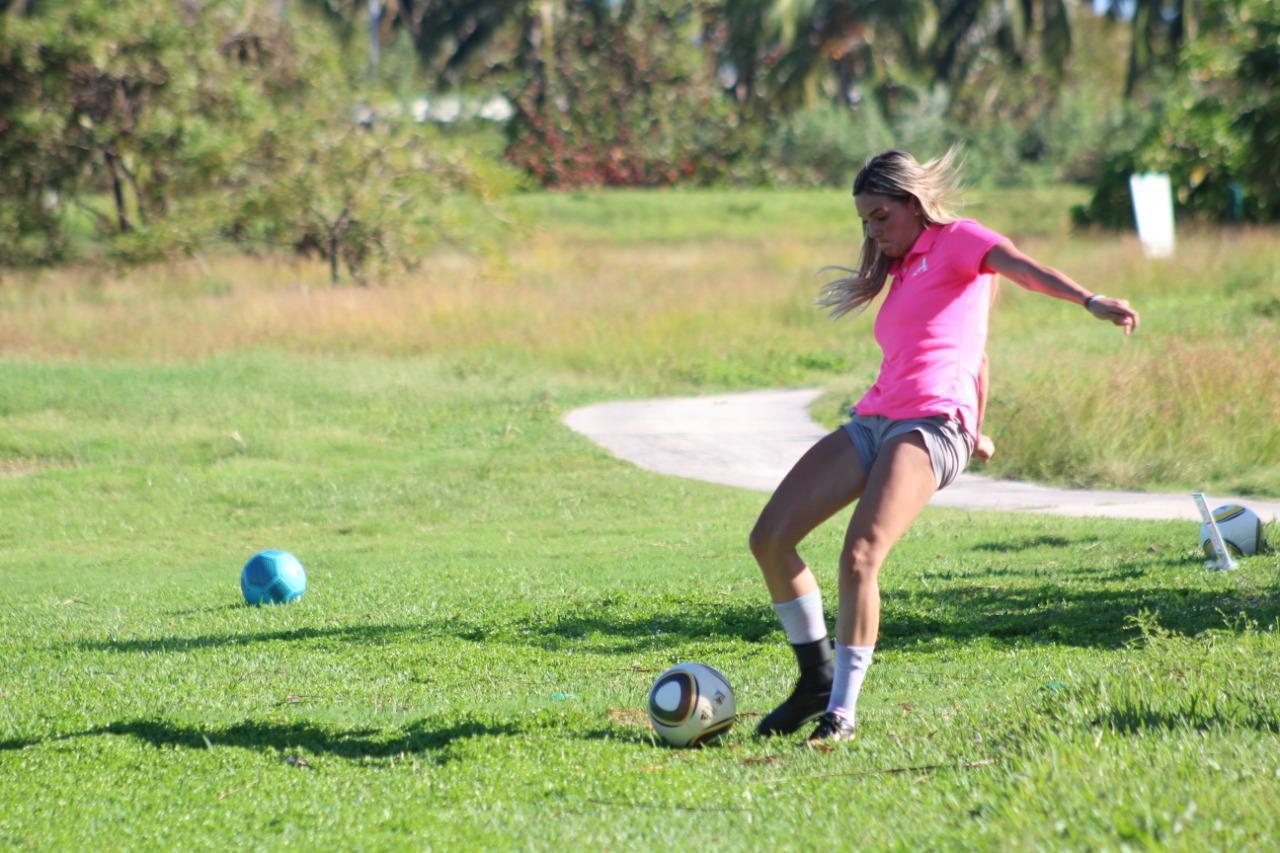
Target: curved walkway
(751,440)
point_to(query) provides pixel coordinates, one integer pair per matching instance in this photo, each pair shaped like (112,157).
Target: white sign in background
(1153,211)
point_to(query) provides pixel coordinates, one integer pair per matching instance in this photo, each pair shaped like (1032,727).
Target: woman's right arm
(1029,273)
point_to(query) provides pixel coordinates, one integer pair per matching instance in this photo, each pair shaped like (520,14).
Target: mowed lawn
(490,595)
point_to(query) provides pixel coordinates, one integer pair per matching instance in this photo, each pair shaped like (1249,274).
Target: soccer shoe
(832,729)
(799,708)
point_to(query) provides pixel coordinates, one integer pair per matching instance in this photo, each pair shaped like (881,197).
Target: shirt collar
(921,246)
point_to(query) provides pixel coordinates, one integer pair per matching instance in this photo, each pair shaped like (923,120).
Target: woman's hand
(1118,311)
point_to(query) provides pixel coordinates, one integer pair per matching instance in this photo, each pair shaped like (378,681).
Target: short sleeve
(968,244)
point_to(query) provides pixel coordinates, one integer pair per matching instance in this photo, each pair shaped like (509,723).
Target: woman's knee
(862,558)
(770,537)
(763,538)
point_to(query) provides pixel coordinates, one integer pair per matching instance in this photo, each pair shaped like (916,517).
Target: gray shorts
(949,446)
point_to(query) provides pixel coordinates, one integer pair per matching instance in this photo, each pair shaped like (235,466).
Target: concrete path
(751,440)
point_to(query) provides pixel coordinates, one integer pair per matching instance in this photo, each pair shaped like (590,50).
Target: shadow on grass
(367,743)
(1065,614)
(568,629)
(1045,602)
(1048,613)
(1009,547)
(1135,721)
(634,735)
(1042,613)
(368,634)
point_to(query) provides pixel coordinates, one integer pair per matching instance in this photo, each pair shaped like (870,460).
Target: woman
(912,432)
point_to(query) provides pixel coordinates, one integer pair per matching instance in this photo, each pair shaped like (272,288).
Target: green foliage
(1258,75)
(620,97)
(178,127)
(1214,131)
(355,197)
(826,144)
(89,96)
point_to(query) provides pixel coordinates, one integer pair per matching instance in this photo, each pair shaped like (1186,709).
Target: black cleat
(799,708)
(832,729)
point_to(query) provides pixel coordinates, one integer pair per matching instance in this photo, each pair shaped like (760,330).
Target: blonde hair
(934,184)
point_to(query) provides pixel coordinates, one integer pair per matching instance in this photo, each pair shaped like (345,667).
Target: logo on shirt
(924,266)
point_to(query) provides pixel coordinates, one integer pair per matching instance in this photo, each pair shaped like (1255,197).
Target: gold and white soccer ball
(1241,530)
(691,704)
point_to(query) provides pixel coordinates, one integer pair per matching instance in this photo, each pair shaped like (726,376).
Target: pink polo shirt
(932,327)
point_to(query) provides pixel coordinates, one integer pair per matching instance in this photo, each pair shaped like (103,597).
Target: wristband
(1088,303)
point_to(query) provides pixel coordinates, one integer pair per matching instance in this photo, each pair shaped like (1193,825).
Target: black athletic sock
(816,665)
(812,691)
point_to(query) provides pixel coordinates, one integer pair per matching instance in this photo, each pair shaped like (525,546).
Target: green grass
(491,595)
(673,217)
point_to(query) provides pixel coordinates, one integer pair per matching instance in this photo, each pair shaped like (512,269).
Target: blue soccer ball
(273,577)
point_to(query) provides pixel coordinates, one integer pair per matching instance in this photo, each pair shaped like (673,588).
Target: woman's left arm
(1029,273)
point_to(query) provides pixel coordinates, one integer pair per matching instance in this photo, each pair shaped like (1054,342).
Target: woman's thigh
(898,487)
(826,479)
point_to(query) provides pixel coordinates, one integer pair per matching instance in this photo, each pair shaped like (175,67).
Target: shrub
(1214,132)
(621,97)
(172,127)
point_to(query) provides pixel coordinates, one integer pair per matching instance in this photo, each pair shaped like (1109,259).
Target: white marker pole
(1224,561)
(1153,213)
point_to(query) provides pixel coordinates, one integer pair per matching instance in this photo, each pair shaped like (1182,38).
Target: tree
(617,95)
(355,197)
(1258,120)
(447,35)
(787,47)
(172,127)
(1159,30)
(1022,33)
(140,104)
(90,102)
(1216,131)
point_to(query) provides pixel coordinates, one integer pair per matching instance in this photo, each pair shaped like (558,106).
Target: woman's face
(893,223)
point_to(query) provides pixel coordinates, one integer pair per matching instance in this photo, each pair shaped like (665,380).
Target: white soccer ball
(691,704)
(1241,530)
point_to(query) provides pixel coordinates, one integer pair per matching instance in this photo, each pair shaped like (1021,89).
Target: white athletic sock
(802,618)
(850,670)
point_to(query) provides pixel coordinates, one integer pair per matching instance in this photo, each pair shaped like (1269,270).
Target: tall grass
(1187,402)
(687,292)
